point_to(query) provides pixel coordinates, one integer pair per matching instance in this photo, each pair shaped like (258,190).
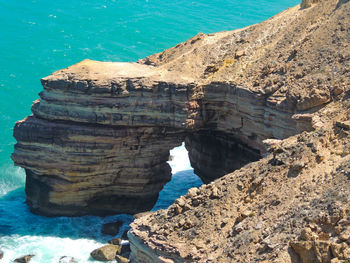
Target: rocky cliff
(100,134)
(292,205)
(269,102)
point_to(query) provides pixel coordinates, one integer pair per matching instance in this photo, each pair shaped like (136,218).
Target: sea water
(41,36)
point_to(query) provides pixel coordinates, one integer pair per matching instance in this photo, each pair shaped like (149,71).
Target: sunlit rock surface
(100,134)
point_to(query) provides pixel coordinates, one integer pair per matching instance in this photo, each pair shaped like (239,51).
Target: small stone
(187,207)
(344,222)
(239,53)
(121,259)
(181,222)
(343,124)
(313,227)
(105,253)
(238,228)
(268,244)
(192,192)
(345,235)
(24,259)
(177,209)
(259,225)
(115,241)
(295,168)
(306,234)
(214,192)
(245,213)
(337,230)
(181,202)
(338,90)
(340,251)
(66,259)
(188,224)
(240,186)
(111,228)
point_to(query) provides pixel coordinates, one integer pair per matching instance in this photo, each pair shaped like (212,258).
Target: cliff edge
(278,91)
(292,205)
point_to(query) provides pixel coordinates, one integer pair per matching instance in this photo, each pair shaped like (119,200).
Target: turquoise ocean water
(41,36)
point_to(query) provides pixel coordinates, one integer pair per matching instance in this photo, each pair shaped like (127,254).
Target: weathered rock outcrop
(100,135)
(106,253)
(291,206)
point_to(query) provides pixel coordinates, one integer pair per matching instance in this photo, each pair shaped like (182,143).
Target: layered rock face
(292,205)
(84,169)
(100,135)
(92,147)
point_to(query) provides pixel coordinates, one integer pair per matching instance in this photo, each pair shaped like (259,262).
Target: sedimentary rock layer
(81,169)
(101,132)
(291,206)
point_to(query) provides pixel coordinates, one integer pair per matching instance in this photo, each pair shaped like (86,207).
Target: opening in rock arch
(214,154)
(183,178)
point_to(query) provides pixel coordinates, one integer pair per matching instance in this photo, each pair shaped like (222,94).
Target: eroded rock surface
(100,135)
(24,259)
(106,253)
(291,206)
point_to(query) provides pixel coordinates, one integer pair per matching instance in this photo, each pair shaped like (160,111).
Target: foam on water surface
(39,37)
(22,232)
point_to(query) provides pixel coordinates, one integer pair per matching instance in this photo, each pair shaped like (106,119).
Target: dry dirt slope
(293,205)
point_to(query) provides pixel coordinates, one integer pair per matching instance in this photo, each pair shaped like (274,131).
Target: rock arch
(100,135)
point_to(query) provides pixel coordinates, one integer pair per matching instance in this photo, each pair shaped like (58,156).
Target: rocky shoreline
(265,109)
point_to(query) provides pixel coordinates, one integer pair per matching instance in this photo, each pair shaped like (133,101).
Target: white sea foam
(48,249)
(11,178)
(49,239)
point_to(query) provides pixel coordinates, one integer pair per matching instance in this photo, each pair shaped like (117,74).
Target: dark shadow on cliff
(16,219)
(215,154)
(340,3)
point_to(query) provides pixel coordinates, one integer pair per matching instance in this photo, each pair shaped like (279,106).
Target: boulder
(24,259)
(66,259)
(121,259)
(1,254)
(106,253)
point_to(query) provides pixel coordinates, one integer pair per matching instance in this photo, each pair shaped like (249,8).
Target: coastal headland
(265,109)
